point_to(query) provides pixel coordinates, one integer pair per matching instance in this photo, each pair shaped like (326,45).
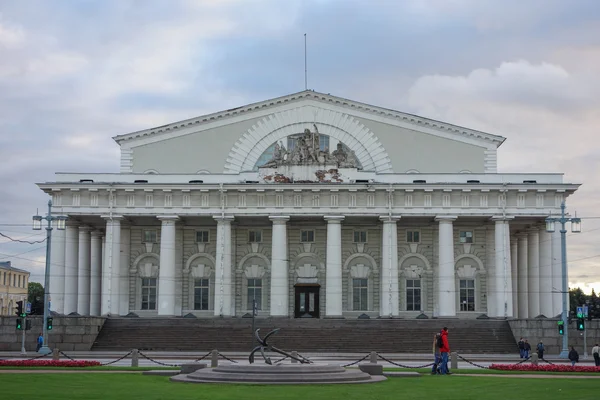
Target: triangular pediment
(312,99)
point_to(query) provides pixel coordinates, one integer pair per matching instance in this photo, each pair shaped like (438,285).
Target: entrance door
(307,302)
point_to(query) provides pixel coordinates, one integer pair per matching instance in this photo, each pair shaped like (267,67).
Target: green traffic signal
(49,324)
(580,324)
(19,324)
(561,328)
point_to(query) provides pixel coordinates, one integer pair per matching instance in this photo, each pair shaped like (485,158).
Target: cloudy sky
(75,73)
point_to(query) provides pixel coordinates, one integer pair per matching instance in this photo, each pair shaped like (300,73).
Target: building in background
(13,287)
(313,206)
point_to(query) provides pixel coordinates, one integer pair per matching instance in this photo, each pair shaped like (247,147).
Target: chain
(203,357)
(546,361)
(472,363)
(402,365)
(157,362)
(357,361)
(70,358)
(227,358)
(118,359)
(280,360)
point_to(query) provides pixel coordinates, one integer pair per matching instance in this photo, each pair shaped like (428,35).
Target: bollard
(294,354)
(453,361)
(214,359)
(135,358)
(373,358)
(534,359)
(56,354)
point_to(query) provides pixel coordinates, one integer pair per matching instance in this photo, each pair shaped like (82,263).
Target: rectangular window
(148,293)
(307,236)
(255,236)
(254,293)
(150,236)
(360,236)
(413,295)
(19,281)
(360,291)
(201,236)
(467,295)
(201,294)
(466,236)
(413,237)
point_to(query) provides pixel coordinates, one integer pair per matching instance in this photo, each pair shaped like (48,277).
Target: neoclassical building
(310,205)
(14,284)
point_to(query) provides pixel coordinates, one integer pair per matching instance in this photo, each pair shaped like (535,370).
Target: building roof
(7,265)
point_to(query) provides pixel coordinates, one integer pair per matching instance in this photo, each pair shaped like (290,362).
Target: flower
(545,367)
(48,363)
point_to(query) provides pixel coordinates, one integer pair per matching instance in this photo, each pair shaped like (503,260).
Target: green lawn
(136,386)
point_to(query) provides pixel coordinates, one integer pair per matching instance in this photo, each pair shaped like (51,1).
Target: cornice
(375,111)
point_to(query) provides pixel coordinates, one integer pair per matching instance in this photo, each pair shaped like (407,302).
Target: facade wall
(13,288)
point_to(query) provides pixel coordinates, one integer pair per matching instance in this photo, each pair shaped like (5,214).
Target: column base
(44,350)
(564,354)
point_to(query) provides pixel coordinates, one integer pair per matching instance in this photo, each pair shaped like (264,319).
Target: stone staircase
(304,335)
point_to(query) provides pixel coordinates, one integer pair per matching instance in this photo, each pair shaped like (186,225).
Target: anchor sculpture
(264,346)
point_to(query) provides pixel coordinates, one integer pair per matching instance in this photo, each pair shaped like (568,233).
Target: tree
(576,299)
(35,295)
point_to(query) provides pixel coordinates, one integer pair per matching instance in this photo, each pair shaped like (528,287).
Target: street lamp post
(575,228)
(37,225)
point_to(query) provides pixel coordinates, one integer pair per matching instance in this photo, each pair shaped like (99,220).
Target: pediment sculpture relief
(307,151)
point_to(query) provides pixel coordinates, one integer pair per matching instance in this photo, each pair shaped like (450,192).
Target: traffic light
(19,324)
(19,311)
(580,324)
(49,324)
(561,328)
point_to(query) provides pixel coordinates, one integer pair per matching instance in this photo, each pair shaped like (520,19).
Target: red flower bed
(47,363)
(545,368)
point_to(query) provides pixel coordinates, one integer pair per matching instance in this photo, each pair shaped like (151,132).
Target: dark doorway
(306,301)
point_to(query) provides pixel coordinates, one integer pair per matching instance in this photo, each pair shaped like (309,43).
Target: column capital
(334,219)
(116,217)
(502,218)
(389,218)
(521,235)
(445,218)
(223,218)
(533,229)
(84,228)
(164,218)
(279,219)
(96,233)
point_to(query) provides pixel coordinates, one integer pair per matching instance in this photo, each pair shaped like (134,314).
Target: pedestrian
(437,358)
(573,356)
(521,345)
(540,350)
(526,349)
(596,355)
(40,342)
(444,350)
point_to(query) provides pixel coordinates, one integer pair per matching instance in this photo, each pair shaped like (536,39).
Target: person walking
(437,357)
(540,350)
(521,345)
(40,342)
(573,356)
(596,355)
(444,350)
(526,349)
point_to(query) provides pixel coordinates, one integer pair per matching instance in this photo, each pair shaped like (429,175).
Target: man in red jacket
(444,350)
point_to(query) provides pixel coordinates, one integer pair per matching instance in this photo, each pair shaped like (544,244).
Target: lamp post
(37,225)
(575,228)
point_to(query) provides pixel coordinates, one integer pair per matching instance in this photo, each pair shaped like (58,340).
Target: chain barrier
(522,361)
(70,358)
(280,360)
(357,361)
(402,365)
(157,362)
(472,363)
(227,358)
(117,360)
(546,361)
(38,357)
(203,357)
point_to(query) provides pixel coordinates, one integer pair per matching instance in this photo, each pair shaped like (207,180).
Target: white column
(124,266)
(112,266)
(546,273)
(533,267)
(389,300)
(503,266)
(509,274)
(57,271)
(490,269)
(446,276)
(333,275)
(224,305)
(83,281)
(166,277)
(556,272)
(514,275)
(71,260)
(523,278)
(95,272)
(279,268)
